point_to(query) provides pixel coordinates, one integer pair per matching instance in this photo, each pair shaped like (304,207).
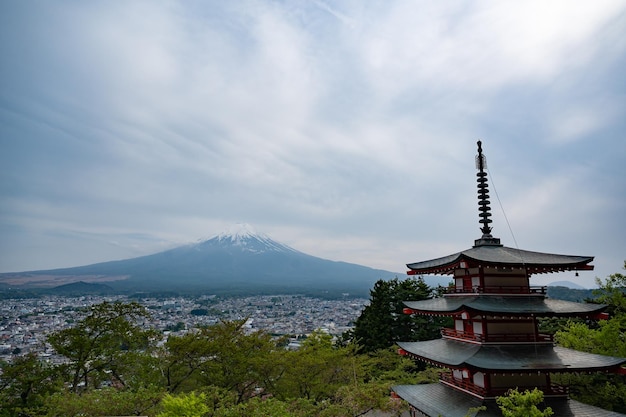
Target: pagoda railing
(497,337)
(464,384)
(554,390)
(501,289)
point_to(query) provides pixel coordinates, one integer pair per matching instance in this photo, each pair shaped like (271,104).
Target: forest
(115,367)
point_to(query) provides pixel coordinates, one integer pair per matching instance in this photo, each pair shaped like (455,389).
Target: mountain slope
(236,261)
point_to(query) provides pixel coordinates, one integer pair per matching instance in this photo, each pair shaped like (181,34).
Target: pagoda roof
(441,400)
(487,254)
(505,305)
(511,358)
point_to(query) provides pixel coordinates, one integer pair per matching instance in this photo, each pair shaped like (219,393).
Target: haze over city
(344,130)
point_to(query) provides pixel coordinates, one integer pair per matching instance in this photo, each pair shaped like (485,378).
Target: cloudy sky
(346,130)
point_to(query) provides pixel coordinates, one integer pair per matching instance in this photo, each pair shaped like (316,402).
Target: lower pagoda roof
(509,358)
(505,306)
(502,256)
(440,400)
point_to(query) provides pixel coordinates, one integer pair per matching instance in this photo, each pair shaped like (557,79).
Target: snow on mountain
(244,236)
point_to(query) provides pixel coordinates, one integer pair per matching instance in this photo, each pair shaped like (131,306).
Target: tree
(184,405)
(181,361)
(103,402)
(606,338)
(97,345)
(517,404)
(382,323)
(223,355)
(25,383)
(316,370)
(612,291)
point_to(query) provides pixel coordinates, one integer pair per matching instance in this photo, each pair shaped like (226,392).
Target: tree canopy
(606,338)
(383,323)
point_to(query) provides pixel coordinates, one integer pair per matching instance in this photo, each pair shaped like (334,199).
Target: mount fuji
(239,261)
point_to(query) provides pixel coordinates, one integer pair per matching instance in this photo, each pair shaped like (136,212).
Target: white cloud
(352,124)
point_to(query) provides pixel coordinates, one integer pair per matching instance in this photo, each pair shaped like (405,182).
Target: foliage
(358,399)
(612,291)
(523,404)
(270,407)
(388,366)
(97,345)
(223,355)
(25,384)
(383,323)
(102,402)
(608,337)
(316,370)
(607,391)
(184,405)
(114,368)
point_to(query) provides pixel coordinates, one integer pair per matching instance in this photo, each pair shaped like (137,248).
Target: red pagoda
(495,344)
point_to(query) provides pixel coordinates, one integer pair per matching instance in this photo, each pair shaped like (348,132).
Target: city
(26,323)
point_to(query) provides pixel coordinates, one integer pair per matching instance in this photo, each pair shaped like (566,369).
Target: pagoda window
(458,325)
(457,374)
(475,282)
(479,379)
(467,279)
(478,327)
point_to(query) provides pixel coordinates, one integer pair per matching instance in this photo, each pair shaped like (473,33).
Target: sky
(346,130)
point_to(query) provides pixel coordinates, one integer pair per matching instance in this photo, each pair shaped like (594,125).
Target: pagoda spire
(483,201)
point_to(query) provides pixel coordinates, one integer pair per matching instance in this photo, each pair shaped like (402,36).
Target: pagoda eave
(504,306)
(502,257)
(438,399)
(509,358)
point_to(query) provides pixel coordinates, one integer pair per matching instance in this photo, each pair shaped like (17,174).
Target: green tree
(97,346)
(25,384)
(316,370)
(244,363)
(181,361)
(612,291)
(223,355)
(104,402)
(184,405)
(523,404)
(382,322)
(607,391)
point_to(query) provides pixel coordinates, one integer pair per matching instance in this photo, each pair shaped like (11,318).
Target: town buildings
(26,323)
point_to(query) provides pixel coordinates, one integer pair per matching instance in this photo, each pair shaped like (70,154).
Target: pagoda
(495,344)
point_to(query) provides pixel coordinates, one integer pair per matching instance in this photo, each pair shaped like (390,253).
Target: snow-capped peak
(237,232)
(244,236)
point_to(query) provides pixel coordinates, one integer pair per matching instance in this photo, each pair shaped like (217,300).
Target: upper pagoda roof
(505,306)
(512,358)
(487,251)
(502,256)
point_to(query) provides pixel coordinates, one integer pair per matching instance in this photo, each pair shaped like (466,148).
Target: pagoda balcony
(498,290)
(554,390)
(496,337)
(463,385)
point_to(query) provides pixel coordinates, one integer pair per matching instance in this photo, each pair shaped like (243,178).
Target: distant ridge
(238,261)
(567,284)
(81,288)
